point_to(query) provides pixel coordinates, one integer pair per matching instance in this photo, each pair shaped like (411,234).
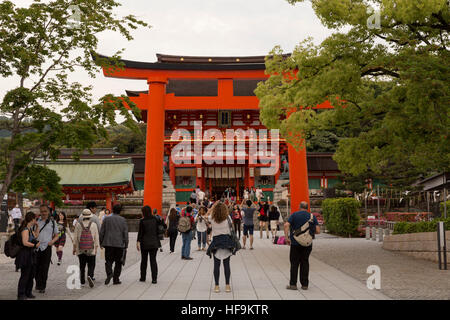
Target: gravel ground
(402,276)
(56,284)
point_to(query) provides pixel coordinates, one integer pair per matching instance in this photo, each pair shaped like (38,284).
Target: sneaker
(154,281)
(216,289)
(183,258)
(108,280)
(117,282)
(41,291)
(31,296)
(59,262)
(290,287)
(142,280)
(188,258)
(227,288)
(90,281)
(304,288)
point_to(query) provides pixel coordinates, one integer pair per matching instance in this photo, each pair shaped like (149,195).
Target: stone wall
(421,245)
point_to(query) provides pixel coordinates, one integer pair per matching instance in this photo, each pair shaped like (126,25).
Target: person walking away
(248,224)
(202,226)
(222,245)
(237,217)
(185,226)
(62,229)
(263,218)
(48,235)
(193,197)
(114,238)
(200,198)
(85,245)
(148,242)
(162,227)
(299,254)
(26,258)
(274,217)
(101,214)
(172,230)
(92,206)
(16,216)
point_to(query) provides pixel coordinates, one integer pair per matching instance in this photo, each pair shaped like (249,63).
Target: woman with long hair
(148,243)
(26,258)
(222,245)
(172,230)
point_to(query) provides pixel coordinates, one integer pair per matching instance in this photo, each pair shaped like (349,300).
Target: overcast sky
(200,27)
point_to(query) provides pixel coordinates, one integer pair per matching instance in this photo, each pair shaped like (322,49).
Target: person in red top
(237,218)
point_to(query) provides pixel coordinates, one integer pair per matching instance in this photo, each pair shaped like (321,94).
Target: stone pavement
(56,284)
(262,273)
(402,277)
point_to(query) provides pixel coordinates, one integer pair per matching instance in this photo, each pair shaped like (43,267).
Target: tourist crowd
(216,224)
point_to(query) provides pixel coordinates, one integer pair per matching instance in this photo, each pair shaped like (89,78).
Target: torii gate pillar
(298,177)
(154,152)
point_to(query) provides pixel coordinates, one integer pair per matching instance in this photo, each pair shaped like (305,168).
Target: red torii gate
(157,101)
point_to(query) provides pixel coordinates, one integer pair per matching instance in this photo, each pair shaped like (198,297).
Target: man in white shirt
(200,197)
(16,216)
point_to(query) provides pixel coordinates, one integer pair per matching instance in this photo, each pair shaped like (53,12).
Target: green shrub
(441,207)
(423,226)
(341,216)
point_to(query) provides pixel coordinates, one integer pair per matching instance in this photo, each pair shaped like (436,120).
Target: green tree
(124,139)
(388,84)
(41,45)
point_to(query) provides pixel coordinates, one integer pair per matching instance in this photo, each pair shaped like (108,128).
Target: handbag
(234,238)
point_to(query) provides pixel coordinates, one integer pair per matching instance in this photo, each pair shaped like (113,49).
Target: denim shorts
(248,229)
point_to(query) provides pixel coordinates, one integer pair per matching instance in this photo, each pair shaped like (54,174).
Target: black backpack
(12,246)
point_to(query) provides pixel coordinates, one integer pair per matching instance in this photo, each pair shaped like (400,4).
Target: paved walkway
(262,273)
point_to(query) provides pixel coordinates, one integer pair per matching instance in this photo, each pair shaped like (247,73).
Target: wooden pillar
(109,201)
(154,155)
(298,177)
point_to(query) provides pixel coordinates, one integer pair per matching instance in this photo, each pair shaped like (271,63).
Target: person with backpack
(248,223)
(185,226)
(263,218)
(274,217)
(148,242)
(48,235)
(26,258)
(303,226)
(114,238)
(172,230)
(85,245)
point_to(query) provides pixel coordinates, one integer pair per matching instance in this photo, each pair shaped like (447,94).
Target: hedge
(341,216)
(423,226)
(442,208)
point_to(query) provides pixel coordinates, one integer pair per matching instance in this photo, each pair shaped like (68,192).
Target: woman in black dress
(26,258)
